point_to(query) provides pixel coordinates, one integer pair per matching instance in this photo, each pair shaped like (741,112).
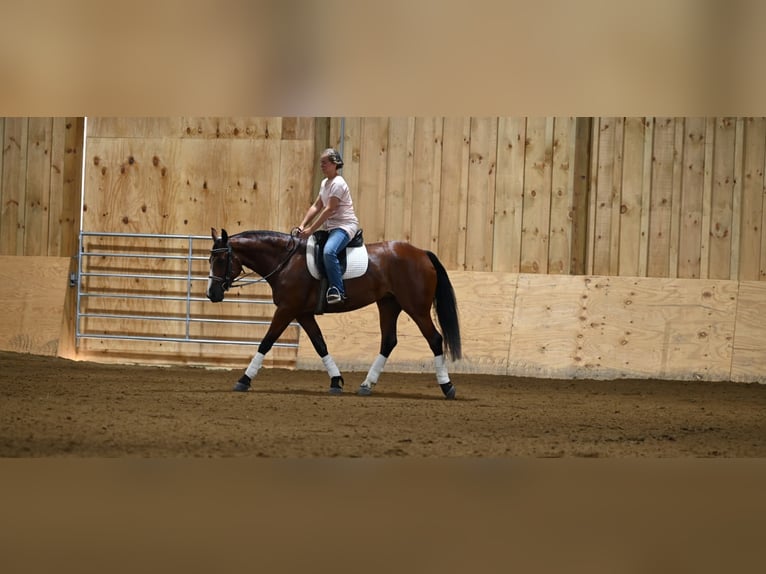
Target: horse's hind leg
(388,310)
(436,344)
(311,328)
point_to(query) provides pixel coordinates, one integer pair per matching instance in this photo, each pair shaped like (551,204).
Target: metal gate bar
(189,278)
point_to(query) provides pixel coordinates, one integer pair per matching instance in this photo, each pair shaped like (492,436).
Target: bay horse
(399,277)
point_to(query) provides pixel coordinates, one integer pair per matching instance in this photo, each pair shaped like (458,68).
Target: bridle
(227,281)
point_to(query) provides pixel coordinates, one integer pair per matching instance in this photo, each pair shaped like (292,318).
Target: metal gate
(131,285)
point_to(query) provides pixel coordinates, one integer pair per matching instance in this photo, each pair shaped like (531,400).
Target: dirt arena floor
(54,407)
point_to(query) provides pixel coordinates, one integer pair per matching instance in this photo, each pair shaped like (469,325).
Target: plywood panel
(610,327)
(33,309)
(546,321)
(669,328)
(135,127)
(294,194)
(749,360)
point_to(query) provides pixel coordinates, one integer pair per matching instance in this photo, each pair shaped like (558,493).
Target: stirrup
(335,296)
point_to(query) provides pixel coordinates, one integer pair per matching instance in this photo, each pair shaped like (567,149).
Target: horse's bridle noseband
(227,280)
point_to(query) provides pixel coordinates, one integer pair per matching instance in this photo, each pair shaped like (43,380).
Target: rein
(230,282)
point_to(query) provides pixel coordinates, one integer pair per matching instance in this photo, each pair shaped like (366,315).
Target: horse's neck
(261,252)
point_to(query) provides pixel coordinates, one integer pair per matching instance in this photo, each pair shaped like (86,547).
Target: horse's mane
(261,234)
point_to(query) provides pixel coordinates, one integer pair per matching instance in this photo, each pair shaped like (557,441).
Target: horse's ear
(214,233)
(224,236)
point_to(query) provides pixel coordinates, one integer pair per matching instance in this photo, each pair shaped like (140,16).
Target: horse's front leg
(311,328)
(279,323)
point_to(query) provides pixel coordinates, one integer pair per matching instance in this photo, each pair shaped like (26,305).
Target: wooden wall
(636,196)
(40,180)
(647,201)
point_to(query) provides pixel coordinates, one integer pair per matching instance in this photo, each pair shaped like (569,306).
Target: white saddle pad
(356,260)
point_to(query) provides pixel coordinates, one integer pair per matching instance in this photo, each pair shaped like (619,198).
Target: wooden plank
(369,196)
(535,229)
(398,217)
(616,194)
(562,196)
(33,309)
(736,202)
(581,152)
(658,263)
(590,237)
(646,194)
(2,190)
(453,206)
(509,194)
(13,186)
(749,248)
(632,196)
(722,199)
(481,194)
(692,186)
(58,228)
(426,177)
(707,197)
(749,355)
(675,203)
(37,196)
(603,197)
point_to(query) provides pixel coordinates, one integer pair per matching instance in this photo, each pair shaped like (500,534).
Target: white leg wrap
(254,365)
(332,368)
(374,373)
(441,370)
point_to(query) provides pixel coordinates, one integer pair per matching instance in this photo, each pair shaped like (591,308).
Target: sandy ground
(59,408)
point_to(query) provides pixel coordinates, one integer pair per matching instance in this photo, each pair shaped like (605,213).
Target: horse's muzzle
(215,293)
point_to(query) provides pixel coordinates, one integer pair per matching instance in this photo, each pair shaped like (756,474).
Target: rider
(333,211)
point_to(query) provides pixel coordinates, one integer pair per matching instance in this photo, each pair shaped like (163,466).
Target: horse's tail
(446,309)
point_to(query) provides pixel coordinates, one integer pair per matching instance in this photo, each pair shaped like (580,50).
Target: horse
(399,277)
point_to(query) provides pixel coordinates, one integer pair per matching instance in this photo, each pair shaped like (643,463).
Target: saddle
(353,261)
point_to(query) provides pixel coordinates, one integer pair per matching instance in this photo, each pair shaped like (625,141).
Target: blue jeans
(336,242)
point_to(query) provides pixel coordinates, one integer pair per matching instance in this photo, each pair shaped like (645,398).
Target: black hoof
(243,384)
(336,385)
(449,391)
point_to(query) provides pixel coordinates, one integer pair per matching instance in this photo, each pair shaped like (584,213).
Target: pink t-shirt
(344,217)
